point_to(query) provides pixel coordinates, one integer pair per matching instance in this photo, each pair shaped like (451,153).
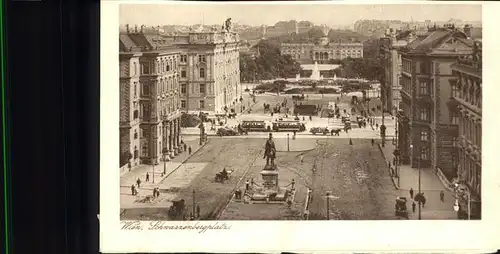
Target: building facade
(323,51)
(391,62)
(149,98)
(209,69)
(466,107)
(426,129)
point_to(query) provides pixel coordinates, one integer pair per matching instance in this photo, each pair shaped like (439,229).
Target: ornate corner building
(427,128)
(209,69)
(466,105)
(149,97)
(163,76)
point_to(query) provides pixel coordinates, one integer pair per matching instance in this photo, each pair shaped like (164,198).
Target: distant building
(426,129)
(149,97)
(466,106)
(323,50)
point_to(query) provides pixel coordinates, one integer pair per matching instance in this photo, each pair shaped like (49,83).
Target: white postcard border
(267,236)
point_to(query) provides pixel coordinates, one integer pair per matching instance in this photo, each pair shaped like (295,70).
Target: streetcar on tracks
(255,126)
(294,126)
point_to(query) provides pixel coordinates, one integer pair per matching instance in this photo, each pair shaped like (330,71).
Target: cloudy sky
(319,13)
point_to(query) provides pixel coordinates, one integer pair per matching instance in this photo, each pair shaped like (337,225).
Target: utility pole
(194,204)
(328,205)
(419,185)
(288,141)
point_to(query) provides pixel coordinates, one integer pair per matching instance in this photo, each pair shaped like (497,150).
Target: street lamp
(164,164)
(467,192)
(288,141)
(419,184)
(328,196)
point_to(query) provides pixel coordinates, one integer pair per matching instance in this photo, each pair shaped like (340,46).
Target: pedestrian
(189,148)
(373,142)
(411,193)
(147,176)
(138,183)
(252,183)
(310,118)
(132,188)
(376,126)
(247,185)
(185,147)
(293,184)
(154,192)
(301,158)
(413,205)
(441,195)
(423,200)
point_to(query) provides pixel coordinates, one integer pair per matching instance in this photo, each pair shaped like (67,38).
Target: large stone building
(149,98)
(323,50)
(209,69)
(424,119)
(466,105)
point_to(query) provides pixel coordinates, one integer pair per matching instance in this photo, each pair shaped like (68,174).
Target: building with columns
(209,69)
(466,106)
(149,98)
(323,50)
(426,127)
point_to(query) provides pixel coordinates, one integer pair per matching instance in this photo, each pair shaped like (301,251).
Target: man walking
(413,206)
(189,148)
(411,193)
(441,196)
(138,183)
(185,147)
(147,176)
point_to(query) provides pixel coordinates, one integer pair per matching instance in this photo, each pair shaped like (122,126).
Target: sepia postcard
(298,126)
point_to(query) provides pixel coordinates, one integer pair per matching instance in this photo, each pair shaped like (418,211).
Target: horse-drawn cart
(176,210)
(224,175)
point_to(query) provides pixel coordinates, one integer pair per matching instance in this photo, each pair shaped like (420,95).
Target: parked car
(315,130)
(225,131)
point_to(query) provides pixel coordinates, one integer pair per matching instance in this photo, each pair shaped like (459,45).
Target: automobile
(400,207)
(225,131)
(315,130)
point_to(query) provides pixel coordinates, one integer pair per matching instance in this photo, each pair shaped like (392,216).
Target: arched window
(202,72)
(136,152)
(135,134)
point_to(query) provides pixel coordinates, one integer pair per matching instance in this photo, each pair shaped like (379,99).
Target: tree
(269,63)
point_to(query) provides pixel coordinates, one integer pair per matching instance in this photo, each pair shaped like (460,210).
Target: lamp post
(328,205)
(194,204)
(164,164)
(288,141)
(419,185)
(467,192)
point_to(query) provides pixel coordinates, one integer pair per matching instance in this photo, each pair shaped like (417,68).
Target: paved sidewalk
(146,189)
(430,185)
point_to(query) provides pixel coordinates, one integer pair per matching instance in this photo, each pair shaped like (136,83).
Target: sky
(329,13)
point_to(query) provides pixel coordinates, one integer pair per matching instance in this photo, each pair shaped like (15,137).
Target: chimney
(127,26)
(468,30)
(142,29)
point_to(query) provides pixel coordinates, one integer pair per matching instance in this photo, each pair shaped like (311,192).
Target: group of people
(420,198)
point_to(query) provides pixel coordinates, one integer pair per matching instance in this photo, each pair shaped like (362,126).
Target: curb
(442,178)
(183,161)
(389,171)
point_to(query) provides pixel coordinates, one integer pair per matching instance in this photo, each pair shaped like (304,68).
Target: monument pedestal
(270,190)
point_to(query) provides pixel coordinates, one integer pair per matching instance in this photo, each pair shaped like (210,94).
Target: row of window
(201,88)
(201,73)
(201,104)
(201,59)
(471,130)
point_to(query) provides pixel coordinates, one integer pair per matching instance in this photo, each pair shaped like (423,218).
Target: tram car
(294,126)
(255,126)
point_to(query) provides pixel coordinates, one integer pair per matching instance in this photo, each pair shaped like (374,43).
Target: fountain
(315,72)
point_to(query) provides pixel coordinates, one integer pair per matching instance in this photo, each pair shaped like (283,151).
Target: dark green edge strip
(2,71)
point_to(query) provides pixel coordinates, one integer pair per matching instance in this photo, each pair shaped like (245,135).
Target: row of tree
(267,63)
